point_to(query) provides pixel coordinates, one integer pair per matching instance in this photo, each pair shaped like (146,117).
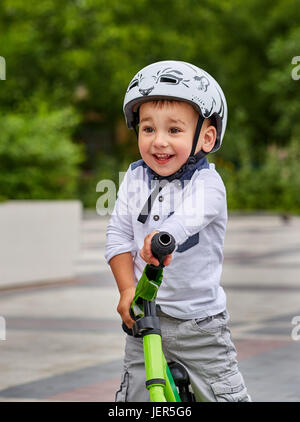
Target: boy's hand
(126,298)
(146,252)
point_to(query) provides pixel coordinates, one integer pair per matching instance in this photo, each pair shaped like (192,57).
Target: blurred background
(68,65)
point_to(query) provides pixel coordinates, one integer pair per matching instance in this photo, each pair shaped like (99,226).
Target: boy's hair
(160,103)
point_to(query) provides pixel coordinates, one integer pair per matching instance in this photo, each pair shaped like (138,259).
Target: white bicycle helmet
(177,80)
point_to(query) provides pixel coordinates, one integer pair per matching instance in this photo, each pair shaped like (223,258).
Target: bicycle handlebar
(162,244)
(143,311)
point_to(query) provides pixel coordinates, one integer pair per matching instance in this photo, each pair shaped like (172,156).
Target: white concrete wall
(39,240)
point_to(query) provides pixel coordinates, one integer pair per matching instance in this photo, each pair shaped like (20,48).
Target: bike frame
(159,380)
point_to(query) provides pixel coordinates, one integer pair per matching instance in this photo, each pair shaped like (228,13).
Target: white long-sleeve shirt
(194,210)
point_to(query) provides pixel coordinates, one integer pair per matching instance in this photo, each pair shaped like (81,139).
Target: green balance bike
(166,382)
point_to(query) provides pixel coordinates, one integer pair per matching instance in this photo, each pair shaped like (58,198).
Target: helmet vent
(168,80)
(134,84)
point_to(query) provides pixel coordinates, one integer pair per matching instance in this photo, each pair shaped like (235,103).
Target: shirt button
(156,217)
(160,198)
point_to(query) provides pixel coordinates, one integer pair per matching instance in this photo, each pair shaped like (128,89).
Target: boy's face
(166,132)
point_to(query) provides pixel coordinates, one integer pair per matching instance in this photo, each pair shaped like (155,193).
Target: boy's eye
(148,129)
(174,130)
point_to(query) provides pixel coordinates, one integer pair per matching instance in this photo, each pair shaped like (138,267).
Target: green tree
(37,158)
(83,53)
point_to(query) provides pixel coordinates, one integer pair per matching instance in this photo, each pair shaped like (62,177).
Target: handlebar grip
(162,244)
(126,329)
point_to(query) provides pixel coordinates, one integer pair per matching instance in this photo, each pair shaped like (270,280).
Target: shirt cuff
(117,250)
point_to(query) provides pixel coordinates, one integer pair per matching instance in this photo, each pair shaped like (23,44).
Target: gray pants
(204,347)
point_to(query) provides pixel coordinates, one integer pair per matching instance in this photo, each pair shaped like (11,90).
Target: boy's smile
(166,132)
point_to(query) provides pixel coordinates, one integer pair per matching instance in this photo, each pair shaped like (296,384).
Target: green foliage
(273,185)
(280,86)
(83,53)
(37,158)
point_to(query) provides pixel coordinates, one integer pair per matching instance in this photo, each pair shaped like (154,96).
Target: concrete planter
(39,240)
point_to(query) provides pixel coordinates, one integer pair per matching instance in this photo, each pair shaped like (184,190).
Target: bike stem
(159,380)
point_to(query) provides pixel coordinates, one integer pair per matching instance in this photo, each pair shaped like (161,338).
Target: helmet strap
(196,135)
(191,161)
(193,158)
(136,132)
(135,123)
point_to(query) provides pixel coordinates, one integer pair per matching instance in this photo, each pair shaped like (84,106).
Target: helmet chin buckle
(191,162)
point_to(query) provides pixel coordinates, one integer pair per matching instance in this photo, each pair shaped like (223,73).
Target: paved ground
(64,341)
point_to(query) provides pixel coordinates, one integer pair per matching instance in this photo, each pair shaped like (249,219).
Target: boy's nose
(160,141)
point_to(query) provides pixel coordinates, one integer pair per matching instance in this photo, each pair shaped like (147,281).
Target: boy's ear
(209,138)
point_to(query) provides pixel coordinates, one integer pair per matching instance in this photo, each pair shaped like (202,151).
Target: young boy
(181,112)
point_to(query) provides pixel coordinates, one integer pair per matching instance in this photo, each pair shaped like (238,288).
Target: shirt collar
(186,174)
